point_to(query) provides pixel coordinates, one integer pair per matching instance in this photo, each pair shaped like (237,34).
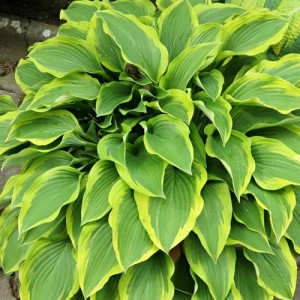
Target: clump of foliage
(160,155)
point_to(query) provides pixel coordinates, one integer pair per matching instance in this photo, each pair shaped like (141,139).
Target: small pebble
(46,33)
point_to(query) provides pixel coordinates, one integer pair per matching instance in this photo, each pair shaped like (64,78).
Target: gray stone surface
(5,174)
(40,10)
(5,292)
(17,34)
(17,97)
(297,295)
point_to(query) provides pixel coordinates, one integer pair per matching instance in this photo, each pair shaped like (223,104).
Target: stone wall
(16,35)
(46,11)
(19,30)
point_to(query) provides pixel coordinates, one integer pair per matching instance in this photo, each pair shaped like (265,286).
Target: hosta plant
(159,147)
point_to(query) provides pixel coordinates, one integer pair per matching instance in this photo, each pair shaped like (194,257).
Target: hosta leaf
(235,156)
(56,256)
(108,51)
(29,78)
(37,167)
(249,213)
(234,294)
(216,171)
(280,205)
(73,223)
(27,100)
(144,172)
(42,128)
(271,4)
(157,214)
(169,138)
(238,34)
(175,24)
(246,118)
(111,96)
(218,112)
(7,190)
(217,207)
(206,33)
(288,135)
(290,41)
(212,83)
(112,147)
(137,108)
(283,169)
(149,280)
(178,105)
(196,2)
(198,145)
(78,30)
(97,261)
(162,4)
(149,54)
(217,275)
(12,252)
(285,6)
(69,89)
(277,274)
(241,235)
(179,295)
(45,229)
(7,219)
(235,67)
(264,90)
(101,178)
(80,11)
(5,126)
(217,12)
(201,290)
(130,240)
(292,231)
(61,56)
(47,195)
(246,280)
(6,104)
(28,154)
(186,64)
(286,68)
(138,8)
(109,291)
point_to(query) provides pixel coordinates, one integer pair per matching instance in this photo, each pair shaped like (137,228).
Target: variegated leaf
(47,195)
(101,178)
(157,214)
(283,170)
(144,172)
(139,283)
(176,23)
(130,240)
(217,207)
(279,203)
(56,256)
(168,138)
(276,273)
(235,156)
(97,260)
(217,275)
(126,28)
